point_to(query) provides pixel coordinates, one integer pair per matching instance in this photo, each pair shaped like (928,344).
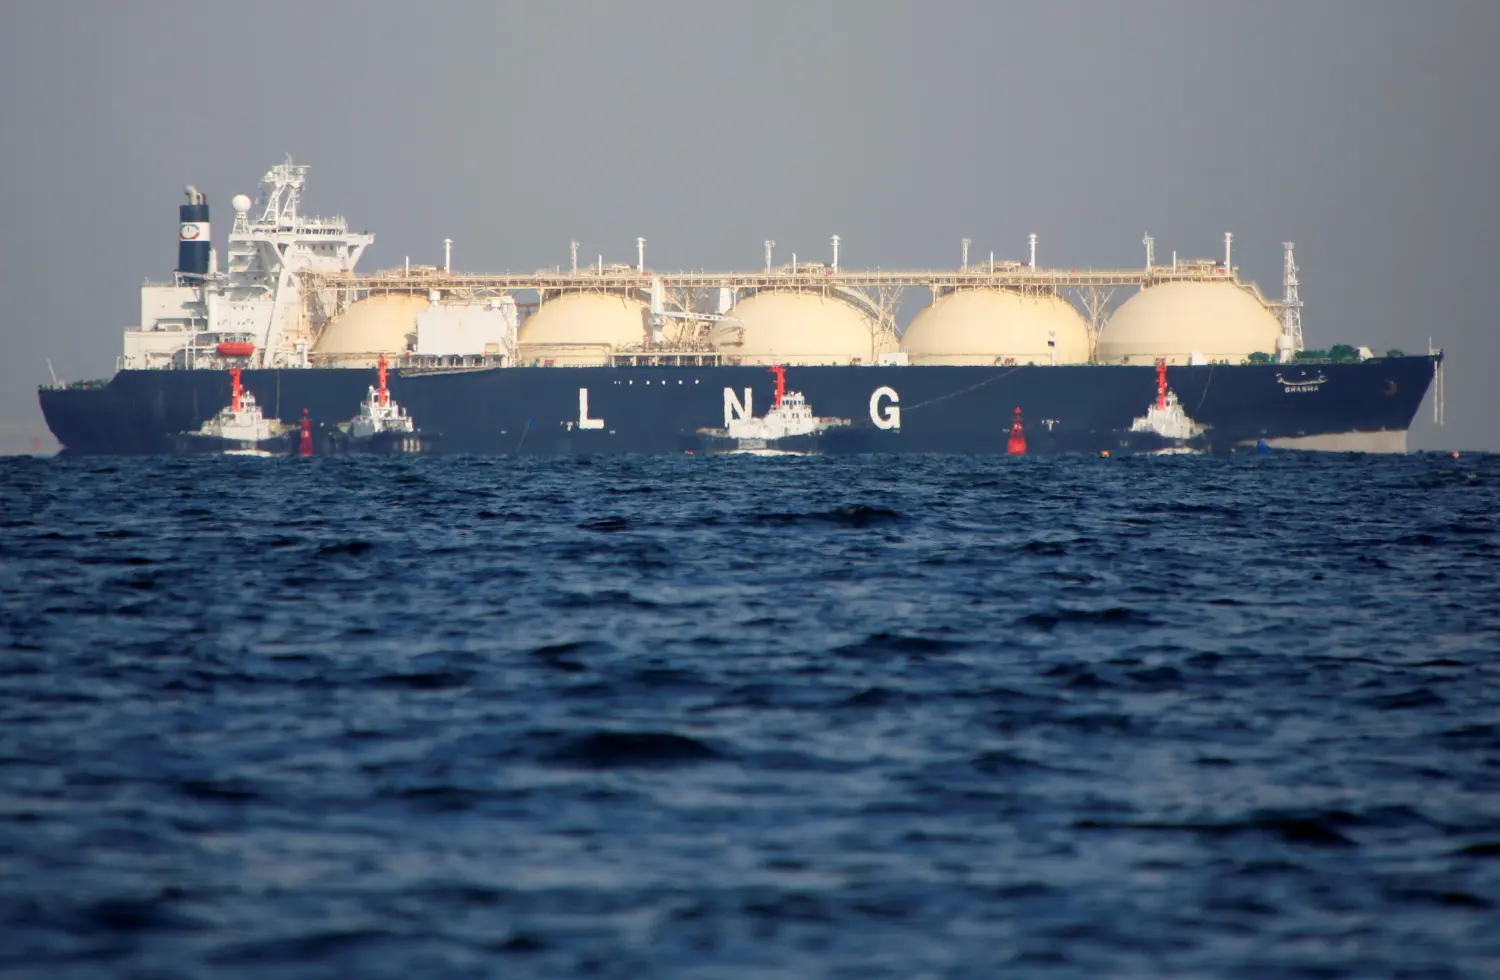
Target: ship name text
(1299,385)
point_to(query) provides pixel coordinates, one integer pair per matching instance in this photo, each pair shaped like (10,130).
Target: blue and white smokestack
(193,238)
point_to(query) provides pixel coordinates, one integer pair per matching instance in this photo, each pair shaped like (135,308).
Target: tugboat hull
(385,443)
(198,444)
(1151,443)
(716,442)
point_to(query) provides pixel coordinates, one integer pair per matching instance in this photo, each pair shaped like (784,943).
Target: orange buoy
(1017,444)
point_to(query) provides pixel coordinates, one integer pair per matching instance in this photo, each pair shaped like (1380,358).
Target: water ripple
(884,717)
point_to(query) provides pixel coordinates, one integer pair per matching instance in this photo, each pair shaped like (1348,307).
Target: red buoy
(1161,382)
(385,394)
(233,348)
(235,389)
(306,448)
(1017,444)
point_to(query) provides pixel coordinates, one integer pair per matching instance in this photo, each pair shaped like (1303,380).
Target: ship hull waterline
(1367,405)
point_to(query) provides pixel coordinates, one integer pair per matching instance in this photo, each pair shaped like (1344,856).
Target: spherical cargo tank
(797,327)
(997,326)
(1217,321)
(581,329)
(383,323)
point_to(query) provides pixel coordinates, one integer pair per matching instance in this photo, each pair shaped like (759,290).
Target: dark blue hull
(548,411)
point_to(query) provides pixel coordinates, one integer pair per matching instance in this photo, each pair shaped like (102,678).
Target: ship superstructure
(261,310)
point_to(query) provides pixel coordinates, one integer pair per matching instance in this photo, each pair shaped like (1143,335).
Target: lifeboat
(235,348)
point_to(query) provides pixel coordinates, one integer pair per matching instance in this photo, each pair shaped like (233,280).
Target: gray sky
(1365,130)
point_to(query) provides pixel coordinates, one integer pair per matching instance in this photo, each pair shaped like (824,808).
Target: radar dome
(1218,320)
(241,203)
(385,323)
(579,329)
(785,327)
(996,326)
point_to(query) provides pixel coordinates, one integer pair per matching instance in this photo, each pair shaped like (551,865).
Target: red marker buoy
(1017,444)
(306,449)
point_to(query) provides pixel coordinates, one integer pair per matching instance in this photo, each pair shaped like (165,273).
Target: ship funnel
(193,238)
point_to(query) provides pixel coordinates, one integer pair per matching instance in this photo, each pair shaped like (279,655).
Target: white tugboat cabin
(790,416)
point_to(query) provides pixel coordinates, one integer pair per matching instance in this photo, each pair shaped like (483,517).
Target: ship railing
(630,279)
(666,358)
(684,347)
(448,363)
(318,224)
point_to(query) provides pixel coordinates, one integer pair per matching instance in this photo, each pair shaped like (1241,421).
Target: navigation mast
(1291,307)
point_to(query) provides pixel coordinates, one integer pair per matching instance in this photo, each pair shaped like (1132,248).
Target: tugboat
(789,429)
(1166,428)
(238,429)
(381,426)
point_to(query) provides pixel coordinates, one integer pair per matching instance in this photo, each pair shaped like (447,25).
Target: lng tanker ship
(622,359)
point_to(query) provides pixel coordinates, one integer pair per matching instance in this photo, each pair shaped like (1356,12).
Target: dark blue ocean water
(905,717)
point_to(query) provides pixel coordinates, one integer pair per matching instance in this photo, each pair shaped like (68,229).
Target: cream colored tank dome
(996,326)
(385,323)
(1175,320)
(788,327)
(580,329)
